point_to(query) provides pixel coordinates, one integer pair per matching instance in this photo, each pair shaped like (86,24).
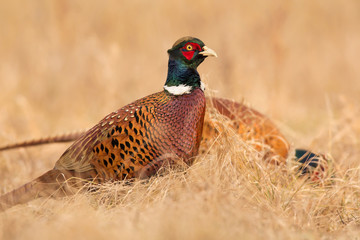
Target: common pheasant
(139,138)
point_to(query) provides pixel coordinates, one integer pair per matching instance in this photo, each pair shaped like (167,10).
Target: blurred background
(65,64)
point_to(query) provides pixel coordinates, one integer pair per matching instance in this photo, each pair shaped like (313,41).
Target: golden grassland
(65,64)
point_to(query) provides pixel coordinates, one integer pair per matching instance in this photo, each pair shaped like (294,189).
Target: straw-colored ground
(65,64)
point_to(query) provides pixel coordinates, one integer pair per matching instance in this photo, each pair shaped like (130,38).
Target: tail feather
(68,137)
(49,184)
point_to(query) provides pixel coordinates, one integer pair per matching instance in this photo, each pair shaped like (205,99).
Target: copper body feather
(134,141)
(139,138)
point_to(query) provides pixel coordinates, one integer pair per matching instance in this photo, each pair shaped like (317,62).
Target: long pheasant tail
(50,183)
(67,137)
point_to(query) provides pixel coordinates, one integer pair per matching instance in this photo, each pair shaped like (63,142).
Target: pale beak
(208,52)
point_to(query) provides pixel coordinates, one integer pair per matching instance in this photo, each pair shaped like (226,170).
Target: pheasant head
(185,56)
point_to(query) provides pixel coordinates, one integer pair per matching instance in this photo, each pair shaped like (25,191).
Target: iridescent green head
(191,51)
(185,56)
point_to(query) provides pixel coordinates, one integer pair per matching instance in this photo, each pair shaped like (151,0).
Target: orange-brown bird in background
(253,127)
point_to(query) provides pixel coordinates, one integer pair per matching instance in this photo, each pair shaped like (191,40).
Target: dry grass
(65,64)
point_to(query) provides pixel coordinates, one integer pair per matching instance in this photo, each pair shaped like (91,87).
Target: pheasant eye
(189,47)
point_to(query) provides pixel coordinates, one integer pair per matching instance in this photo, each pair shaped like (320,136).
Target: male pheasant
(138,139)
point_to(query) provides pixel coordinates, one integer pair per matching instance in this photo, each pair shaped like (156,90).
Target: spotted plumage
(138,139)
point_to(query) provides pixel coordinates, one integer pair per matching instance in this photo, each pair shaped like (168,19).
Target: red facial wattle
(189,54)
